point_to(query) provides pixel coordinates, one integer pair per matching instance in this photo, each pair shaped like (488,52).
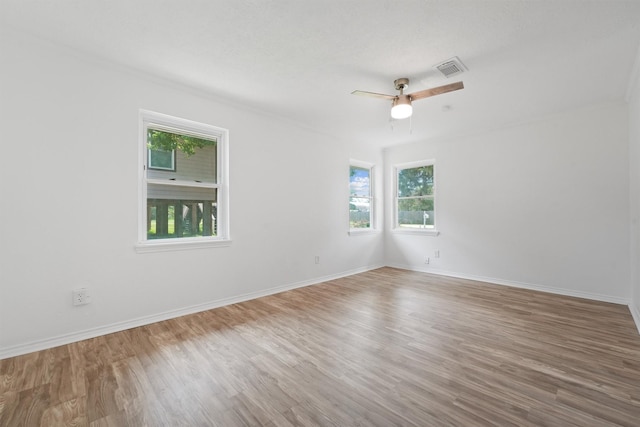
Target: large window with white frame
(415,197)
(184,183)
(361,201)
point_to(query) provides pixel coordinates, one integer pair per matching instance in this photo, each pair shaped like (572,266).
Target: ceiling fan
(401,104)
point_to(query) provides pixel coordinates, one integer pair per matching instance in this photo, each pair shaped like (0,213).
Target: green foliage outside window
(165,141)
(415,181)
(416,197)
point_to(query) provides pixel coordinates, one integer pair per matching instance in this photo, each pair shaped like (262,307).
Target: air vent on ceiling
(451,67)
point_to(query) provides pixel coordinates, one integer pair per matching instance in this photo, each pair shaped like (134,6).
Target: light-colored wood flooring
(385,348)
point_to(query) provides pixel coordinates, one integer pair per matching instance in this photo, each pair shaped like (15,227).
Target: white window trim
(189,127)
(415,231)
(372,228)
(361,231)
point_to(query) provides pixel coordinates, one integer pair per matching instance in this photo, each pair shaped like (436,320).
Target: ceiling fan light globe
(401,111)
(401,108)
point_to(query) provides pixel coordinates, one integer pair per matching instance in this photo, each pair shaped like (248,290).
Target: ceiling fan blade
(436,91)
(373,94)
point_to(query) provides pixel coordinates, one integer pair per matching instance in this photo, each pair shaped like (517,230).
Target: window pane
(175,211)
(180,218)
(416,213)
(192,158)
(415,181)
(359,212)
(359,182)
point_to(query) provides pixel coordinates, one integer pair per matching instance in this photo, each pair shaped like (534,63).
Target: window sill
(417,231)
(362,231)
(179,245)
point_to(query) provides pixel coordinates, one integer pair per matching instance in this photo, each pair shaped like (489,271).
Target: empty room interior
(320,213)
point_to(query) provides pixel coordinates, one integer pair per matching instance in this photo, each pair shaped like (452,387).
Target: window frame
(372,199)
(178,125)
(396,199)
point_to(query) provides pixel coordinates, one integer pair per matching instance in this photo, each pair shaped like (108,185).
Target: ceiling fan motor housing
(401,84)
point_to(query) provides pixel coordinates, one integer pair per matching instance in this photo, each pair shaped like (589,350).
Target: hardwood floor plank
(9,401)
(28,408)
(71,413)
(101,392)
(19,373)
(609,410)
(382,348)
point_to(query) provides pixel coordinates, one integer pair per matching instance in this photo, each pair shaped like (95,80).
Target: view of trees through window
(416,197)
(168,141)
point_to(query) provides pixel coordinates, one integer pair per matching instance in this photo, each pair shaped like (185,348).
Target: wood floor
(383,348)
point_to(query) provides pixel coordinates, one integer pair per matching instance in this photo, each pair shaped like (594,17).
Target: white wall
(542,205)
(634,190)
(69,202)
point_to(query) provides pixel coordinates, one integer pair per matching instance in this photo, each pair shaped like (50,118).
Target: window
(183,186)
(360,196)
(415,197)
(162,159)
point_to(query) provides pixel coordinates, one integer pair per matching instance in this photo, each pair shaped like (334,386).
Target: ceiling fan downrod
(401,84)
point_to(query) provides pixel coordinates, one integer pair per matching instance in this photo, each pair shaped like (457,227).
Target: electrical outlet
(437,254)
(80,296)
(426,260)
(317,259)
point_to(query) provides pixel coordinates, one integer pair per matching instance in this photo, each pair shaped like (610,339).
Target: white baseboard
(145,320)
(516,284)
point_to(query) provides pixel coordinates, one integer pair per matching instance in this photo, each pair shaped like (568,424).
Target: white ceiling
(302,59)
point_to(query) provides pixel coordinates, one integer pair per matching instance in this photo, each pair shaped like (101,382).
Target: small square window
(162,159)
